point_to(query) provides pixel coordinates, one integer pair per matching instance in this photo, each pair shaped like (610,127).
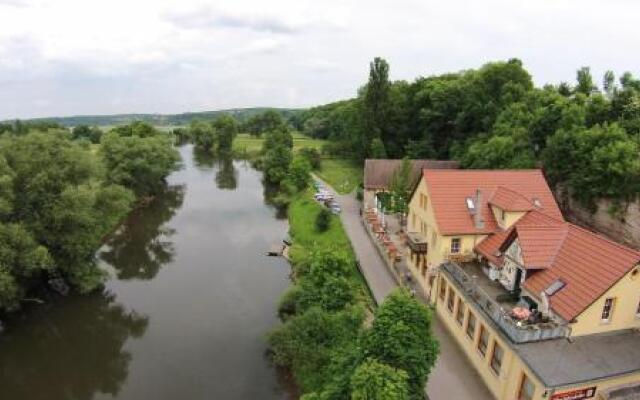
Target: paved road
(452,378)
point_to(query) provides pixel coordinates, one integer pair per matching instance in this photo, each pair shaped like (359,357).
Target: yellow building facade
(594,353)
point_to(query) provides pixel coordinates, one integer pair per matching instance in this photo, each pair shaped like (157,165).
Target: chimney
(477,217)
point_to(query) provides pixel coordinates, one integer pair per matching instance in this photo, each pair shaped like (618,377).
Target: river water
(185,314)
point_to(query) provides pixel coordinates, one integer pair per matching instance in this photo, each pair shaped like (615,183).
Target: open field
(343,175)
(247,144)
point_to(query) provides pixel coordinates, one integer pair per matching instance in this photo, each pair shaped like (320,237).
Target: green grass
(246,144)
(303,211)
(343,175)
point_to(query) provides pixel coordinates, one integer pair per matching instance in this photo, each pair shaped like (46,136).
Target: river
(185,312)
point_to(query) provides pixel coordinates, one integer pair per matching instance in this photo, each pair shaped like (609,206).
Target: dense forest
(586,136)
(61,194)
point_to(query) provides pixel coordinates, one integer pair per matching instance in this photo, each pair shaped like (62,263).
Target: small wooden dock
(276,250)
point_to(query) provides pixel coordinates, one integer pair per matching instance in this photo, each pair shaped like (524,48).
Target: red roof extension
(517,190)
(589,264)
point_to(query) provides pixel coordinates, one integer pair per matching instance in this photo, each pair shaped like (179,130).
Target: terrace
(498,304)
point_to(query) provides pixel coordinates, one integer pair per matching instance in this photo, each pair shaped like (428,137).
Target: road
(452,378)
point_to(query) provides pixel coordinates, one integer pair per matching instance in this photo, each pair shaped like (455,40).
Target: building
(543,309)
(378,174)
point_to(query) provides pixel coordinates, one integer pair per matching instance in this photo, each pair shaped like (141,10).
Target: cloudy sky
(70,57)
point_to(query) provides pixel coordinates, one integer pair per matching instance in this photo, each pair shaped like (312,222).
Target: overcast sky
(70,57)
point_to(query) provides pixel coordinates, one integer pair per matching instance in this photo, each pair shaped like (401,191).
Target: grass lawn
(251,145)
(343,175)
(302,228)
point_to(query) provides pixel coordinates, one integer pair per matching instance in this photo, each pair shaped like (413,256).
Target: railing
(516,330)
(416,243)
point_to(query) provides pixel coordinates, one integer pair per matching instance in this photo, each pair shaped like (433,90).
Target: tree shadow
(227,174)
(70,351)
(142,245)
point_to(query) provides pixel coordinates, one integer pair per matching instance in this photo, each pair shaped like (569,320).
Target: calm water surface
(186,312)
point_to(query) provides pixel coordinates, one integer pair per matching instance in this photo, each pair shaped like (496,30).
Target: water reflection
(271,193)
(83,339)
(142,245)
(227,175)
(203,159)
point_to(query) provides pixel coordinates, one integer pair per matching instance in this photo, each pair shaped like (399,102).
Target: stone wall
(624,228)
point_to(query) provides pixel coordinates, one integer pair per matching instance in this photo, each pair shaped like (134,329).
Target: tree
(203,134)
(498,152)
(323,220)
(608,83)
(92,134)
(375,103)
(377,149)
(22,260)
(585,81)
(268,121)
(300,173)
(139,163)
(312,155)
(600,162)
(401,186)
(226,128)
(277,156)
(401,338)
(373,380)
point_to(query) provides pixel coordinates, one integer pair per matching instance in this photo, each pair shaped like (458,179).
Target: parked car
(323,196)
(335,209)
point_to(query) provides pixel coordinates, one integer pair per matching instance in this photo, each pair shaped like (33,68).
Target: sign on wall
(577,394)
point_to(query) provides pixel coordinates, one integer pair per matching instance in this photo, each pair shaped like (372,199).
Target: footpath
(452,378)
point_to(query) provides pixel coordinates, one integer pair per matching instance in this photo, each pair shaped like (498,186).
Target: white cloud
(90,56)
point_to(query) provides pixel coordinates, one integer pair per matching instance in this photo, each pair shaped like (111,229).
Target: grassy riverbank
(303,211)
(343,175)
(335,341)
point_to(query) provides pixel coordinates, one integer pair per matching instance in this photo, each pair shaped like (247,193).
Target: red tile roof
(589,264)
(449,189)
(509,200)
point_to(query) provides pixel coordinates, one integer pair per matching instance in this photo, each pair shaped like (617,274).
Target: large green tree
(139,163)
(373,380)
(401,337)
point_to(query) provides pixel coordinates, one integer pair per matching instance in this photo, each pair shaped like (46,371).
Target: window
(455,245)
(638,310)
(423,201)
(471,325)
(443,288)
(413,220)
(527,388)
(496,358)
(503,215)
(434,237)
(460,312)
(607,310)
(483,340)
(451,300)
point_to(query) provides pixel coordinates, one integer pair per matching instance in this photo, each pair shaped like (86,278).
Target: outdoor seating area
(375,223)
(510,313)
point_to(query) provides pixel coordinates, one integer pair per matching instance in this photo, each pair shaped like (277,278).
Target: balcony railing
(416,242)
(517,331)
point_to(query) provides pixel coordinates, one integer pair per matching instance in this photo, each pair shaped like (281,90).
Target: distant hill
(162,119)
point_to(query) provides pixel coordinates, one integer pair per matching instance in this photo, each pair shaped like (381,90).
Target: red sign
(577,394)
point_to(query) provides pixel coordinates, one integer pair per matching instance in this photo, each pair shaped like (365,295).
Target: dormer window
(554,287)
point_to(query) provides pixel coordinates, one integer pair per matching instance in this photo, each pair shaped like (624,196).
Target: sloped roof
(589,264)
(378,173)
(450,188)
(509,200)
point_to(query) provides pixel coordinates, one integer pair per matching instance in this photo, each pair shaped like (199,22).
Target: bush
(312,155)
(323,220)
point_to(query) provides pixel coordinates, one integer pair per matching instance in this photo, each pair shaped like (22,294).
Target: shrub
(323,220)
(312,155)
